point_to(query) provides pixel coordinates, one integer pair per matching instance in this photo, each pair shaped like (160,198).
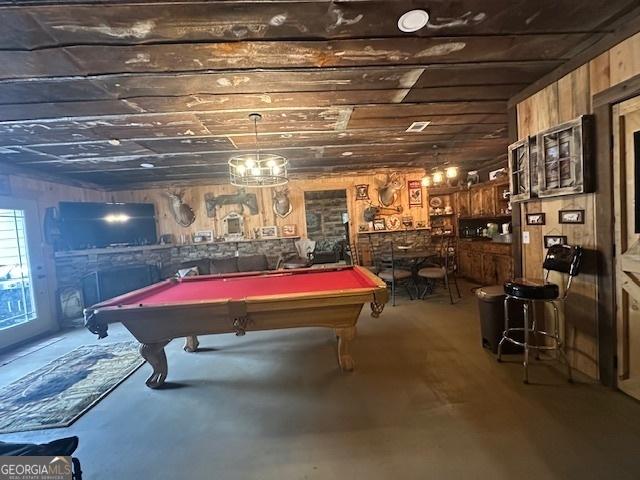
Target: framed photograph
(499,173)
(535,218)
(362,192)
(379,224)
(203,236)
(269,232)
(415,193)
(571,216)
(551,240)
(289,230)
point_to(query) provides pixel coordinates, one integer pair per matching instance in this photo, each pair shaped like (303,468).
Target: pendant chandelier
(257,169)
(438,176)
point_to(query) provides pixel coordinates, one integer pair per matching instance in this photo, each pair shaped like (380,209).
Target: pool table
(240,303)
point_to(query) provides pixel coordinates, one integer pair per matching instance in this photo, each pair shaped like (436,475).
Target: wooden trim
(607,338)
(618,93)
(516,207)
(628,25)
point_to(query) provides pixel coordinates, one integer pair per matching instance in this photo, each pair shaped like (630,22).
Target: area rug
(61,391)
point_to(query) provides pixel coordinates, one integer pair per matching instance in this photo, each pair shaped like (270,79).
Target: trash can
(491,309)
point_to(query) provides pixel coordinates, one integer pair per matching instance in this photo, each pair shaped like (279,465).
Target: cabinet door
(476,202)
(489,200)
(464,263)
(476,268)
(504,268)
(489,270)
(462,200)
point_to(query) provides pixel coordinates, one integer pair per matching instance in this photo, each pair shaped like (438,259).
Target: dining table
(413,257)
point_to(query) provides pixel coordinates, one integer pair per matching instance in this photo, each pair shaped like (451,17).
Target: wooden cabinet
(504,268)
(464,262)
(485,200)
(489,200)
(486,263)
(463,202)
(476,207)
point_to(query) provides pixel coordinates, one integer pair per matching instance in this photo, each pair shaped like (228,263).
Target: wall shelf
(400,230)
(112,250)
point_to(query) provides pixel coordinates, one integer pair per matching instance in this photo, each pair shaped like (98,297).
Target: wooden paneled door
(626,127)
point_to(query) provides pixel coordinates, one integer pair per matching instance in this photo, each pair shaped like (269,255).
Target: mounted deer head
(182,213)
(281,204)
(388,192)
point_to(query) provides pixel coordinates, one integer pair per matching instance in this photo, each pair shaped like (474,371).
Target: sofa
(209,266)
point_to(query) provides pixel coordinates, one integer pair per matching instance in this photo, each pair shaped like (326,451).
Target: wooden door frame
(603,110)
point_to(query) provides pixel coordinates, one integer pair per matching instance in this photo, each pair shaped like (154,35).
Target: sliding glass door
(24,306)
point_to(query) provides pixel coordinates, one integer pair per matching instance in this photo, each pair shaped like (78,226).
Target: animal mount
(373,211)
(388,192)
(241,198)
(182,213)
(282,206)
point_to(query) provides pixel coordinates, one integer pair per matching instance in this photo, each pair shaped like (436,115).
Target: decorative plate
(435,202)
(393,223)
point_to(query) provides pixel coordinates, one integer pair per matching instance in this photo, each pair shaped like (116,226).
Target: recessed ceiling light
(418,126)
(114,141)
(413,20)
(347,154)
(147,165)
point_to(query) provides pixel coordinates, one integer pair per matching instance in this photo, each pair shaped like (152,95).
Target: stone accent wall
(414,237)
(327,207)
(72,266)
(368,243)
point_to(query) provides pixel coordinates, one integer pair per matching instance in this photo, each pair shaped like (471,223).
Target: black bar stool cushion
(531,289)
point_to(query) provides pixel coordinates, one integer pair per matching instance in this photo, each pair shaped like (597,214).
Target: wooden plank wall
(194,196)
(563,100)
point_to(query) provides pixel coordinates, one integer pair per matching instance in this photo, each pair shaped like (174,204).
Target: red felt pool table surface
(207,288)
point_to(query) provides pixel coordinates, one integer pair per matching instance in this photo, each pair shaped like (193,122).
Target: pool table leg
(376,309)
(157,358)
(191,344)
(345,336)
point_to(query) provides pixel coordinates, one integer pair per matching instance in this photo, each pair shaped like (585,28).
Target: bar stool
(560,258)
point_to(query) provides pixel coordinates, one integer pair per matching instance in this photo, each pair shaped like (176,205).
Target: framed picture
(415,193)
(421,224)
(363,227)
(551,240)
(535,218)
(499,173)
(362,192)
(379,224)
(269,232)
(289,230)
(571,216)
(407,222)
(203,236)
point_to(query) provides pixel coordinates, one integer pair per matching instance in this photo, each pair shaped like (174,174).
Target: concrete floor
(426,401)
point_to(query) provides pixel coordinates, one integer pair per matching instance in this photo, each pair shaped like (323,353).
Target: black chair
(389,272)
(63,447)
(560,258)
(444,268)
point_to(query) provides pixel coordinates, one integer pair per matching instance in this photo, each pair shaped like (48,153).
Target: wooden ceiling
(90,90)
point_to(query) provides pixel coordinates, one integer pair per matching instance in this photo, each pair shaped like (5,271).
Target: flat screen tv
(96,225)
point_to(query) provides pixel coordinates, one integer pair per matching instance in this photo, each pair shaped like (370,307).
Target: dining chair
(444,269)
(366,255)
(389,272)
